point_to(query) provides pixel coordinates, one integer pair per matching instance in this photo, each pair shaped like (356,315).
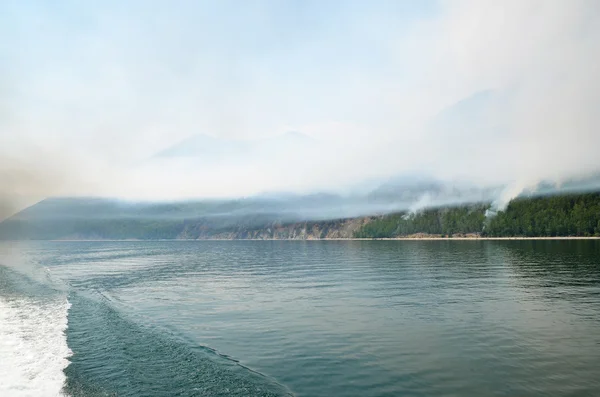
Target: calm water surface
(315,318)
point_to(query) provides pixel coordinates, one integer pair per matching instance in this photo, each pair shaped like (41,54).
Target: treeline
(554,216)
(548,216)
(438,221)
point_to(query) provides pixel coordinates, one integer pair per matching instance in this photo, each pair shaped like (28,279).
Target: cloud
(483,92)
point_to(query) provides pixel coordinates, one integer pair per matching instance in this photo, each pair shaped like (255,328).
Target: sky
(481,91)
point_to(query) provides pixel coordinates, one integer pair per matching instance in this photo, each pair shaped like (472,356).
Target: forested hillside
(438,221)
(552,216)
(568,215)
(548,216)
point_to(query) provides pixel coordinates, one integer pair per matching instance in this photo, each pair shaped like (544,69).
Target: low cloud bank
(490,99)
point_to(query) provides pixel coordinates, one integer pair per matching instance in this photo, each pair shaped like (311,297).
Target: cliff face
(338,229)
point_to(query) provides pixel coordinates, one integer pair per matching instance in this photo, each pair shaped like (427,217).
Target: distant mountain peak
(209,147)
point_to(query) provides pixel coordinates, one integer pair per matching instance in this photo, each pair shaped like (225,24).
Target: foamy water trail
(33,346)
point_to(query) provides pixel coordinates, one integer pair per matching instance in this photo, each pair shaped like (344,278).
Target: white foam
(33,347)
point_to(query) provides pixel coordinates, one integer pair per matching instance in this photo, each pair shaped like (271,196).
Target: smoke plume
(470,92)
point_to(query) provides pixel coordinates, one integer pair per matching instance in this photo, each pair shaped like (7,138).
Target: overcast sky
(484,91)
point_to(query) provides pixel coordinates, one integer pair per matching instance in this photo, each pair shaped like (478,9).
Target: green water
(319,318)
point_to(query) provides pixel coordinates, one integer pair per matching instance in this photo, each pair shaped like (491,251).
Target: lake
(304,318)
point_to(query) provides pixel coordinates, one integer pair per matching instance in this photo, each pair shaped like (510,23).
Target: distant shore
(412,239)
(479,238)
(341,239)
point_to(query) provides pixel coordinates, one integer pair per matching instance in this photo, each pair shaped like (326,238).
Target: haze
(484,93)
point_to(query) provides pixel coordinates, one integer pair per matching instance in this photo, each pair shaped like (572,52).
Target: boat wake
(33,346)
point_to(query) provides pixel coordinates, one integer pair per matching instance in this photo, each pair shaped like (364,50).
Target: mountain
(198,146)
(287,213)
(557,215)
(75,218)
(213,150)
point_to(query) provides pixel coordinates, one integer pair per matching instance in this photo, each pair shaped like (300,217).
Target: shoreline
(334,239)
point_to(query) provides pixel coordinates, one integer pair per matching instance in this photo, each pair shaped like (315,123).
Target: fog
(489,99)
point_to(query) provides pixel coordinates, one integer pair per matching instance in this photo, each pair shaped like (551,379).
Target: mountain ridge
(533,216)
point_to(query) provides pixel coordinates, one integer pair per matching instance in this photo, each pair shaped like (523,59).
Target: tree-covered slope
(546,216)
(437,221)
(565,215)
